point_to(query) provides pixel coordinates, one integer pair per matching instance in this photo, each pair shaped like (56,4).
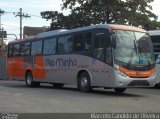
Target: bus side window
(87,42)
(25,49)
(10,50)
(60,48)
(16,50)
(49,46)
(36,48)
(156,42)
(65,44)
(77,43)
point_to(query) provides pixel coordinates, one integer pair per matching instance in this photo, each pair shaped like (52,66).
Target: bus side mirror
(113,40)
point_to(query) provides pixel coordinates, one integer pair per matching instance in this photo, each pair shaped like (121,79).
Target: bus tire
(29,80)
(36,84)
(58,85)
(84,83)
(119,90)
(157,85)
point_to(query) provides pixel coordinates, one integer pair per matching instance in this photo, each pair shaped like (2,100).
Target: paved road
(16,97)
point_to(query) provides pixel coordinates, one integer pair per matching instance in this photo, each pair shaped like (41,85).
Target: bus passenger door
(98,59)
(109,70)
(37,61)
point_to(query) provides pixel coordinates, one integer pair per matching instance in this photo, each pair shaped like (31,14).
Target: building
(33,31)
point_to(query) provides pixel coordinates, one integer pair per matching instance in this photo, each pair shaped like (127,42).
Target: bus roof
(110,27)
(154,32)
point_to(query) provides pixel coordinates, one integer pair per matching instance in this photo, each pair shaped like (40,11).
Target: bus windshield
(133,48)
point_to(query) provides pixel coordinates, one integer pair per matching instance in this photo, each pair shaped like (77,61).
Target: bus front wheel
(84,83)
(119,90)
(157,85)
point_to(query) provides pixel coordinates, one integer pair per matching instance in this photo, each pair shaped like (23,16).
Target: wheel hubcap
(84,82)
(29,79)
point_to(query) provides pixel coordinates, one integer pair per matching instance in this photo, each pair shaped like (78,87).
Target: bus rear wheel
(119,90)
(58,85)
(84,83)
(29,80)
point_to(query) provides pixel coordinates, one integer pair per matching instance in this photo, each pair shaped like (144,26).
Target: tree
(87,12)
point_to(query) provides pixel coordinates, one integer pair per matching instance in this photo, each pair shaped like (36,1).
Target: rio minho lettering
(61,62)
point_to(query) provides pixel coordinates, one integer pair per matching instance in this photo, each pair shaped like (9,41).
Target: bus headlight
(121,73)
(153,75)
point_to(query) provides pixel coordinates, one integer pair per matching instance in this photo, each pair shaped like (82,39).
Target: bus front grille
(139,83)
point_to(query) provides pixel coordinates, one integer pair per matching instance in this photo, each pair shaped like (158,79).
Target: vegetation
(86,12)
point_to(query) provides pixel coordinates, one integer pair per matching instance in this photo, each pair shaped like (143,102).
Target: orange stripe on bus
(16,68)
(137,74)
(129,28)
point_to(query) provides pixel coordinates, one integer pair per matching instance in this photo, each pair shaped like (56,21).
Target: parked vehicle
(155,37)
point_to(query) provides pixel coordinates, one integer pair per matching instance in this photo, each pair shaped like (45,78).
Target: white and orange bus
(109,56)
(155,38)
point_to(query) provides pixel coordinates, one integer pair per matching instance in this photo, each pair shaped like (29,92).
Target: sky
(10,23)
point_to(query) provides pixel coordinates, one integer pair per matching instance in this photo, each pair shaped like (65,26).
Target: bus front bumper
(125,81)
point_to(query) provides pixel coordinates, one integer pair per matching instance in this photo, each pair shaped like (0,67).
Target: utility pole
(1,29)
(1,12)
(21,15)
(2,38)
